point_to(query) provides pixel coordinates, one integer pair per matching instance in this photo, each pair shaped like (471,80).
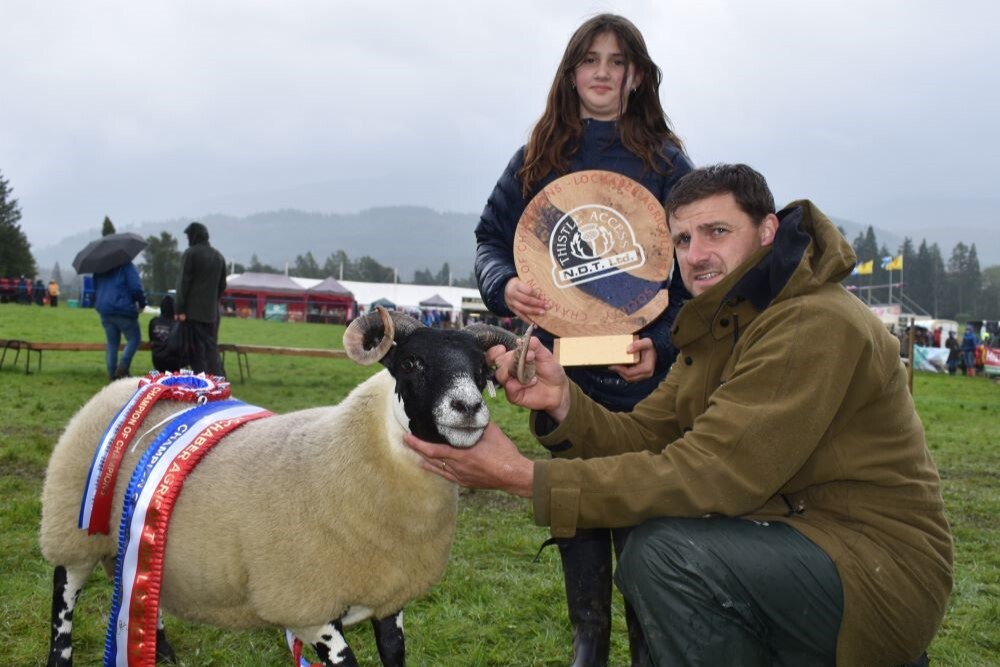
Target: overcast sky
(151,111)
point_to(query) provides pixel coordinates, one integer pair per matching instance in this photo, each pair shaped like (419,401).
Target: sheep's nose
(466,407)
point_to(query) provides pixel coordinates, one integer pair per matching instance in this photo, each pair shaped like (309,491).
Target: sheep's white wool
(356,614)
(460,414)
(398,411)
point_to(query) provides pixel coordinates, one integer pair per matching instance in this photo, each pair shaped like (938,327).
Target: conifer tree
(162,264)
(108,227)
(15,251)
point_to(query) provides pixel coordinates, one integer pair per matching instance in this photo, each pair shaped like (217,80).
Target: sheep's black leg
(66,586)
(164,651)
(389,639)
(330,645)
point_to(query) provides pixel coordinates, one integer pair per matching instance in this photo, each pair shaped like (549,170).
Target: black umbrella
(108,252)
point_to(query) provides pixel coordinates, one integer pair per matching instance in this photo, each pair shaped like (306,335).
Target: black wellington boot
(586,561)
(638,648)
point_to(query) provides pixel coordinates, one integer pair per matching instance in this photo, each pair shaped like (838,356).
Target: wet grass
(495,606)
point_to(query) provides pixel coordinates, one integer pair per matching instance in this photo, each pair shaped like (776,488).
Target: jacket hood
(196,233)
(808,251)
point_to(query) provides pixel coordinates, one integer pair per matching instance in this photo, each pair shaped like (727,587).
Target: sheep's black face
(440,376)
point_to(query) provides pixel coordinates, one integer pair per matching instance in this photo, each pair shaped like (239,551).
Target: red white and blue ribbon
(295,646)
(149,499)
(95,508)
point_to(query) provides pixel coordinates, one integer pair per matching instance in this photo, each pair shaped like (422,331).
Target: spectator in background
(954,352)
(969,344)
(53,293)
(164,358)
(199,289)
(38,292)
(119,298)
(23,292)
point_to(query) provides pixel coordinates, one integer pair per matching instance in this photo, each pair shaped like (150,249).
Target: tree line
(955,288)
(162,267)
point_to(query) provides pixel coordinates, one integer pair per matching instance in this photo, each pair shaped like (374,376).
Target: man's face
(713,237)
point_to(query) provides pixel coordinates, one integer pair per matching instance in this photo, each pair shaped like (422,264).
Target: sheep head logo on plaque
(596,245)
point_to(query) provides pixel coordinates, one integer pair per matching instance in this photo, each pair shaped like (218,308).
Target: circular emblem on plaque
(596,245)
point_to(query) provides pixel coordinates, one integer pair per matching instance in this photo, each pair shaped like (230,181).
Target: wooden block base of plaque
(594,350)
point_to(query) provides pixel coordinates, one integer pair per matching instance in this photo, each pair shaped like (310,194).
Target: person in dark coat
(38,292)
(118,298)
(23,292)
(199,288)
(164,357)
(603,112)
(954,352)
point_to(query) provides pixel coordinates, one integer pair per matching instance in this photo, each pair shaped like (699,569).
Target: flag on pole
(865,268)
(886,261)
(896,264)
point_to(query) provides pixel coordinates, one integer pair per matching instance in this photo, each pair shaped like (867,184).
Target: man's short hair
(746,185)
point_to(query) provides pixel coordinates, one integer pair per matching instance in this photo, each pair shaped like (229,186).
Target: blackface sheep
(309,521)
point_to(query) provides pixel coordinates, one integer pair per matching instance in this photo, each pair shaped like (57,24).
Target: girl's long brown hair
(642,123)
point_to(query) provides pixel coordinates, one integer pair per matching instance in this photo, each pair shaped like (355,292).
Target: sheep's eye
(409,365)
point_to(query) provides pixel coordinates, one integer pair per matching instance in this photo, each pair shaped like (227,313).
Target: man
(790,511)
(199,288)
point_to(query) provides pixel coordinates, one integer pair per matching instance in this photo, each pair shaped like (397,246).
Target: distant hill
(941,220)
(411,238)
(407,238)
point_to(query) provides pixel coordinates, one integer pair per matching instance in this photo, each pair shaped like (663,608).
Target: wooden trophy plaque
(595,244)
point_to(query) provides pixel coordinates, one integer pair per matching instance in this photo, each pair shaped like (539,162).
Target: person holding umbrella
(119,298)
(118,294)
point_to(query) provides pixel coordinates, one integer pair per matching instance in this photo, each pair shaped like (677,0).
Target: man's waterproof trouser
(205,348)
(720,591)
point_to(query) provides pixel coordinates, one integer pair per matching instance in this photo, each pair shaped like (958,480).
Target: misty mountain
(411,238)
(406,238)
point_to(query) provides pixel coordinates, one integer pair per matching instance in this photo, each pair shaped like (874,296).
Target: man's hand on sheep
(493,463)
(547,391)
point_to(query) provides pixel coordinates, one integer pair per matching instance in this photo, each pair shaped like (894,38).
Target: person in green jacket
(789,510)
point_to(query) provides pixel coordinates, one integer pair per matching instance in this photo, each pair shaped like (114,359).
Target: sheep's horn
(404,324)
(488,336)
(368,338)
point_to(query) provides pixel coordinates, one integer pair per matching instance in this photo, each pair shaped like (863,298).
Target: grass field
(496,604)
